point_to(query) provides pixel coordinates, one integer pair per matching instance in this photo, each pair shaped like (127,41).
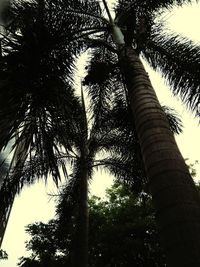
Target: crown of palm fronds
(175,56)
(36,101)
(38,52)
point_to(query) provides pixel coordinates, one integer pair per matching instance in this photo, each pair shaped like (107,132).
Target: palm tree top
(176,57)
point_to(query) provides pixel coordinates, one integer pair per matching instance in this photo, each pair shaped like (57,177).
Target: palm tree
(171,185)
(87,133)
(42,106)
(106,129)
(36,101)
(172,188)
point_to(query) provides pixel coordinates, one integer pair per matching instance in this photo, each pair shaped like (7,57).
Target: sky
(34,203)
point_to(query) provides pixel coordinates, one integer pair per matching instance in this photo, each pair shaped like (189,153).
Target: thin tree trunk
(80,258)
(175,196)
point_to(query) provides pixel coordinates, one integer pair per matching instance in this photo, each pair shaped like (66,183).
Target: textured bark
(80,258)
(175,196)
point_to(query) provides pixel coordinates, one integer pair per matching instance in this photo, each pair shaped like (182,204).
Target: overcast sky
(34,204)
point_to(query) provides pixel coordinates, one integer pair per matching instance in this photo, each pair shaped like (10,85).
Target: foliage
(122,233)
(192,167)
(46,246)
(123,230)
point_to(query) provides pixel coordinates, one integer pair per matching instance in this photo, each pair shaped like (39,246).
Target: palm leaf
(178,60)
(150,5)
(174,119)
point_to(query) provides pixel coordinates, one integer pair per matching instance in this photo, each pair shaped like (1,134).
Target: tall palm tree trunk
(175,196)
(80,255)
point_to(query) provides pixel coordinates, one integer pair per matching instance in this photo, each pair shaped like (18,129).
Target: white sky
(33,203)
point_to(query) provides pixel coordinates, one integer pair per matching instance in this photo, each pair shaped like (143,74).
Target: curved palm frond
(178,60)
(150,5)
(174,119)
(128,172)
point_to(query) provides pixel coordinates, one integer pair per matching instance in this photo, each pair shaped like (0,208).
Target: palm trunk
(80,258)
(175,196)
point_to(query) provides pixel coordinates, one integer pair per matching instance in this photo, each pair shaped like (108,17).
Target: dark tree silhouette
(172,188)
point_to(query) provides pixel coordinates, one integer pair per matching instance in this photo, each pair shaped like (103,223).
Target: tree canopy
(122,232)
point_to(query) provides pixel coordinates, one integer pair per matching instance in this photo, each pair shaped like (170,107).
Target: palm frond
(43,37)
(137,19)
(178,60)
(150,5)
(129,172)
(103,76)
(174,119)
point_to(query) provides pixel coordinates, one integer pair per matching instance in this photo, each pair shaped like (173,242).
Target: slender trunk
(80,258)
(175,196)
